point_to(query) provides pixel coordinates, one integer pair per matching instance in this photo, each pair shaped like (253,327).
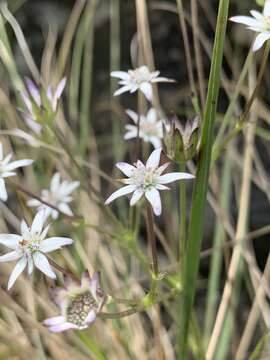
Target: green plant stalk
(216,259)
(77,57)
(115,64)
(87,74)
(200,188)
(182,220)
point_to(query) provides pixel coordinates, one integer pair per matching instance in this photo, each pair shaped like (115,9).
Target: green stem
(182,222)
(152,239)
(200,188)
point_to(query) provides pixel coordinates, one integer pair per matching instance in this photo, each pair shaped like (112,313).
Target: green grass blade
(200,187)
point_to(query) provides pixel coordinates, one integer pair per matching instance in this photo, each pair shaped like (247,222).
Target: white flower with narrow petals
(138,79)
(7,168)
(151,129)
(79,304)
(258,22)
(59,195)
(146,180)
(35,104)
(29,248)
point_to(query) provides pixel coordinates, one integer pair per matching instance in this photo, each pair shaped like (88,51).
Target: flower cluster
(79,304)
(147,180)
(258,22)
(7,168)
(38,103)
(59,196)
(29,248)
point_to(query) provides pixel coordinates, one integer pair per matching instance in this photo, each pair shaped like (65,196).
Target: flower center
(140,75)
(79,307)
(30,244)
(150,129)
(144,178)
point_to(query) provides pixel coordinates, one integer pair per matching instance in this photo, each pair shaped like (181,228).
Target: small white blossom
(7,168)
(28,248)
(32,100)
(151,129)
(138,79)
(146,180)
(258,22)
(79,304)
(59,195)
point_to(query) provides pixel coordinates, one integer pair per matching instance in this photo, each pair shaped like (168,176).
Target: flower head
(146,180)
(36,102)
(258,22)
(138,79)
(151,129)
(182,141)
(59,195)
(79,304)
(29,248)
(7,168)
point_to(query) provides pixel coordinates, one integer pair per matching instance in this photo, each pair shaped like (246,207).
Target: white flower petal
(122,90)
(126,168)
(54,243)
(266,9)
(62,327)
(33,203)
(69,187)
(18,163)
(24,227)
(120,75)
(16,272)
(154,159)
(146,89)
(247,20)
(11,256)
(260,40)
(8,174)
(120,192)
(170,177)
(136,197)
(55,182)
(1,151)
(43,265)
(33,90)
(38,222)
(60,87)
(94,284)
(153,197)
(90,317)
(3,191)
(64,208)
(161,187)
(56,320)
(155,141)
(256,14)
(10,240)
(163,79)
(32,124)
(132,115)
(152,115)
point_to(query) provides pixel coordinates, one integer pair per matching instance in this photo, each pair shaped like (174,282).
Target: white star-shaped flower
(151,129)
(28,248)
(79,304)
(35,104)
(258,22)
(138,79)
(7,168)
(59,195)
(146,180)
